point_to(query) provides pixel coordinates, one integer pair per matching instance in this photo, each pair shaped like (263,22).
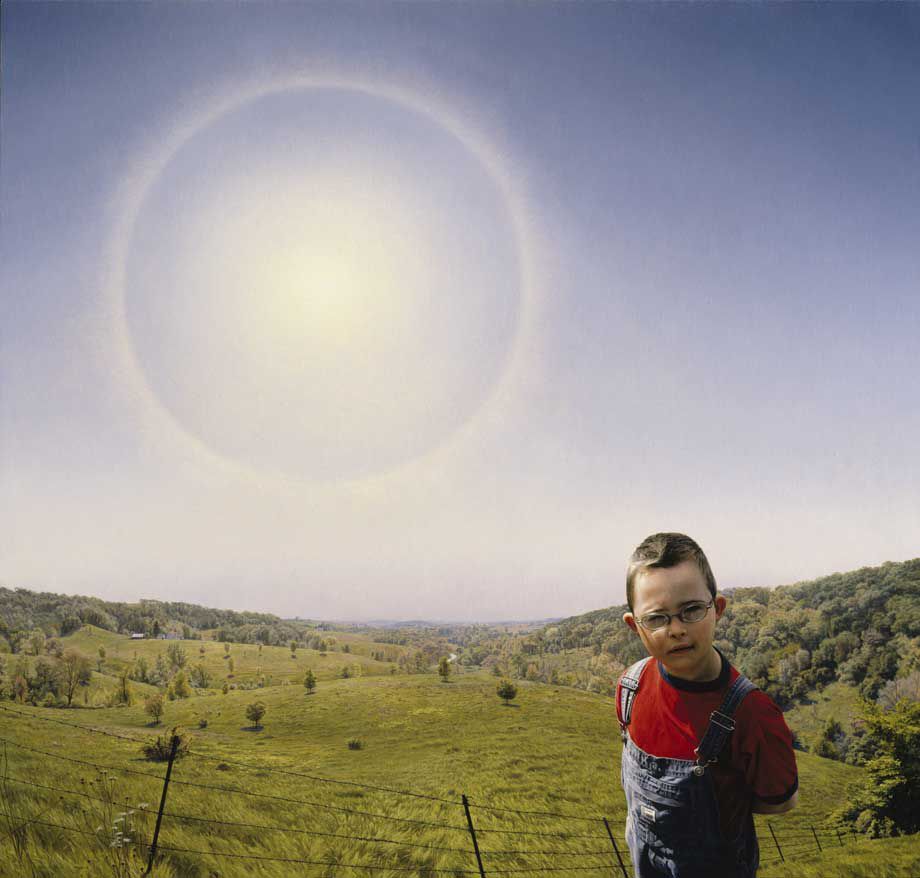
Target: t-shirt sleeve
(767,752)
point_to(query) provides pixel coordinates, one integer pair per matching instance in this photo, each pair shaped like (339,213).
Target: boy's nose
(676,628)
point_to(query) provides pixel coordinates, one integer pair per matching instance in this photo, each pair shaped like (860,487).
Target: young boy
(702,747)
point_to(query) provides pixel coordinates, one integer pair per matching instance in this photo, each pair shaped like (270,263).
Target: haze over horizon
(434,311)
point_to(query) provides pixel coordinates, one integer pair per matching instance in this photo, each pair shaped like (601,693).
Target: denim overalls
(672,824)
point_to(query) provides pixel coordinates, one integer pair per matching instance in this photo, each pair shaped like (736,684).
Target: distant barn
(135,635)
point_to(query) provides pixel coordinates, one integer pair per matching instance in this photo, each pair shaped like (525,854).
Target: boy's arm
(771,770)
(759,806)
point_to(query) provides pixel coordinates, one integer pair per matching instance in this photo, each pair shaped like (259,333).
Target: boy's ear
(630,620)
(720,604)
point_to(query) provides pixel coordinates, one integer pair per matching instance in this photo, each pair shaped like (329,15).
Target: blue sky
(401,310)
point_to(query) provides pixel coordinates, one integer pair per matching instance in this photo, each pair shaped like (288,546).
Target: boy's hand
(761,807)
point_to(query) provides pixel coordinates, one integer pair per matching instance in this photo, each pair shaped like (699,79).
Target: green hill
(553,750)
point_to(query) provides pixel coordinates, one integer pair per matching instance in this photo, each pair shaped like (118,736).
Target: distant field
(553,750)
(837,701)
(274,663)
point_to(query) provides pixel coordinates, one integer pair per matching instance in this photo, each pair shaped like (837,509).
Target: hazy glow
(276,310)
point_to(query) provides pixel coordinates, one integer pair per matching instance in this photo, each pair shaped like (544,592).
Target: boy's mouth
(683,648)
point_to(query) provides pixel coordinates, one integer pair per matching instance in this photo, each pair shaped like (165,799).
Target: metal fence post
(156,831)
(469,820)
(615,848)
(776,842)
(815,834)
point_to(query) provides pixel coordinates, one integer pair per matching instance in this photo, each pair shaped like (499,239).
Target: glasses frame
(678,615)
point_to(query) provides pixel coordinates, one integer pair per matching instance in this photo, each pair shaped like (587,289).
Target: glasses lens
(654,621)
(694,612)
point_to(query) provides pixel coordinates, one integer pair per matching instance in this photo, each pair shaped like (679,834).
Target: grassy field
(250,663)
(247,793)
(864,858)
(837,701)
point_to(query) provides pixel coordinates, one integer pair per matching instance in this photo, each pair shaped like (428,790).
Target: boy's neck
(704,673)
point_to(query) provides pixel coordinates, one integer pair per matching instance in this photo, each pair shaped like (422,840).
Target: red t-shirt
(670,717)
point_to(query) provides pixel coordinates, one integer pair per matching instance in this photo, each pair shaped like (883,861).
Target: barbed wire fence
(486,839)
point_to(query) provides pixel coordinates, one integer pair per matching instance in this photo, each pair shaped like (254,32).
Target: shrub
(255,712)
(355,744)
(159,748)
(154,707)
(506,690)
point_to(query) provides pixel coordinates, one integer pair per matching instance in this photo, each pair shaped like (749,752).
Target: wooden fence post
(615,848)
(156,831)
(469,820)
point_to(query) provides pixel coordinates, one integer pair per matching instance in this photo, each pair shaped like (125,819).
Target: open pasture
(294,790)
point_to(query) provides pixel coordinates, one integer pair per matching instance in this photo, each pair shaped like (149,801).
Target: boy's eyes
(690,613)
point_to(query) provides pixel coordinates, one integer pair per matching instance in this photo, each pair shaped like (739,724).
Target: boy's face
(684,648)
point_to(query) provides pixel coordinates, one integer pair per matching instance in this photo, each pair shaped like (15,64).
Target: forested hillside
(861,627)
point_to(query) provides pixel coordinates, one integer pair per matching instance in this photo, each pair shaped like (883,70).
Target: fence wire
(780,847)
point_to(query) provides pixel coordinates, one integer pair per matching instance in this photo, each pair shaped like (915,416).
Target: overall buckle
(728,725)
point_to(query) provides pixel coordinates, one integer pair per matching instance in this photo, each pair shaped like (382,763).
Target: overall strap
(721,721)
(629,686)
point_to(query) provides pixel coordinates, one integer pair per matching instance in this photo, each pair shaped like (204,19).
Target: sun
(320,280)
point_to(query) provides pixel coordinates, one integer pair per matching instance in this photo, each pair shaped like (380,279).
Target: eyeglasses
(689,614)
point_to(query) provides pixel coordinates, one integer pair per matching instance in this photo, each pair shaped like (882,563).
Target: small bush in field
(158,748)
(355,744)
(254,713)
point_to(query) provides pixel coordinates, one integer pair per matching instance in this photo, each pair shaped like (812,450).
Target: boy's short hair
(666,550)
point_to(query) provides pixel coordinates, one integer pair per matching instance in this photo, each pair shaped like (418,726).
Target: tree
(444,668)
(293,648)
(123,693)
(154,707)
(70,624)
(254,713)
(101,659)
(176,656)
(159,676)
(200,677)
(829,740)
(37,641)
(309,680)
(45,680)
(139,671)
(74,670)
(179,686)
(903,687)
(20,688)
(506,691)
(890,803)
